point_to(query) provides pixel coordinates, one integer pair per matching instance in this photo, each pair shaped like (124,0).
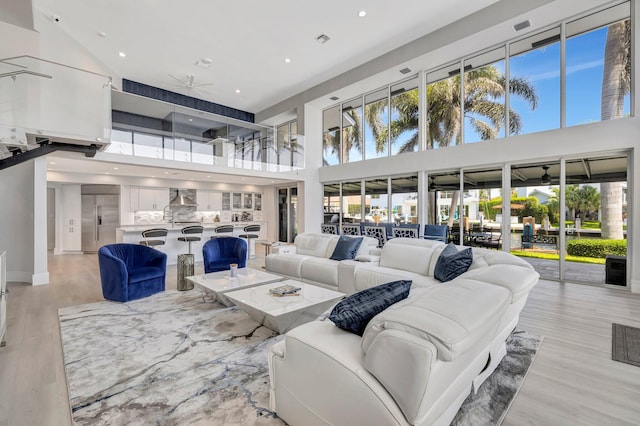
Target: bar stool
(189,234)
(154,237)
(251,248)
(186,262)
(223,229)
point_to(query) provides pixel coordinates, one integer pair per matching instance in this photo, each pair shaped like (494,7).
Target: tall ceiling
(246,40)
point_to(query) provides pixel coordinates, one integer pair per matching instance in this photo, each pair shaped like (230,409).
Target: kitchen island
(133,234)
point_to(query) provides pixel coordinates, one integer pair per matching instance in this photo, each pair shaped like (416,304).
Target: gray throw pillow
(346,248)
(452,263)
(354,312)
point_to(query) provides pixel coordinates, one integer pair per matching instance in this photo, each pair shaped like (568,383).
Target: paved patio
(585,272)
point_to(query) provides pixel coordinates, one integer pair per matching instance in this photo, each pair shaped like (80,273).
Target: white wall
(16,220)
(40,269)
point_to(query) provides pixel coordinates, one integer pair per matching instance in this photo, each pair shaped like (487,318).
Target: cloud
(570,70)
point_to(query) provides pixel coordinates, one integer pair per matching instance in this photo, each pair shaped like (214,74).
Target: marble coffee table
(281,314)
(220,283)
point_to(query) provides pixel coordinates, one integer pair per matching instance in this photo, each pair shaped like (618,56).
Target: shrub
(597,248)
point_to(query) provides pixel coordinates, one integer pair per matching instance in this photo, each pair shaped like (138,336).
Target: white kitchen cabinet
(247,203)
(237,201)
(226,201)
(257,202)
(148,199)
(209,200)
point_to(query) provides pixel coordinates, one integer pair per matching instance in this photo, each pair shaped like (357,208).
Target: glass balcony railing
(149,128)
(48,99)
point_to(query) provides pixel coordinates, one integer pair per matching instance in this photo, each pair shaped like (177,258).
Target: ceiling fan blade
(203,84)
(182,82)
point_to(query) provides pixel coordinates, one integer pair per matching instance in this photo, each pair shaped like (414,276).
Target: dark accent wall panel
(186,101)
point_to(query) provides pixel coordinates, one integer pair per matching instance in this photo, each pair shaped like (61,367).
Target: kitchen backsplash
(180,214)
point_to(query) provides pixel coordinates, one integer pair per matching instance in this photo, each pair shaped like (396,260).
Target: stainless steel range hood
(182,200)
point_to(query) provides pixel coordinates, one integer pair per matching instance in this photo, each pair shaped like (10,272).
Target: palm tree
(616,83)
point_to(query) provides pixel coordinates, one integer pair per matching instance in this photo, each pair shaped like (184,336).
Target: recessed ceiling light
(362,13)
(166,173)
(287,60)
(102,34)
(209,176)
(122,54)
(106,173)
(116,168)
(52,162)
(191,119)
(152,176)
(237,90)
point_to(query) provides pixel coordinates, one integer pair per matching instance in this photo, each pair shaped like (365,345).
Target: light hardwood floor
(573,380)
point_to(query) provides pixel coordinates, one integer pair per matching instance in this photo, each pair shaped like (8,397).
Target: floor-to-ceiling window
(404,117)
(352,137)
(534,215)
(484,96)
(376,128)
(376,200)
(593,41)
(404,199)
(331,205)
(352,202)
(443,107)
(331,136)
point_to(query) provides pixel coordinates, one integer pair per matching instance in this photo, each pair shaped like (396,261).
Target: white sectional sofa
(417,360)
(310,263)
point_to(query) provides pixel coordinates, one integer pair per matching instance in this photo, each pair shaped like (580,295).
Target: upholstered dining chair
(131,271)
(378,232)
(406,231)
(219,253)
(329,228)
(350,230)
(436,232)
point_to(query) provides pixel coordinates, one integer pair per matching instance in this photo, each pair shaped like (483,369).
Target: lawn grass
(555,256)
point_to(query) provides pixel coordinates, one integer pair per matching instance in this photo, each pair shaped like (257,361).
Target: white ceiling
(248,40)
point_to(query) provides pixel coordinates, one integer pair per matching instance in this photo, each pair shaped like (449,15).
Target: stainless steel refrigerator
(100,218)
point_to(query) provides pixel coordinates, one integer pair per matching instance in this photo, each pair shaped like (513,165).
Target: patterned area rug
(626,344)
(180,358)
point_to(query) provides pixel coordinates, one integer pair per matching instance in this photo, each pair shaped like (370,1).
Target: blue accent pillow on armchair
(346,248)
(452,263)
(354,312)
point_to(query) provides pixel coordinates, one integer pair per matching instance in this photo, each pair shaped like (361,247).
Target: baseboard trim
(19,277)
(40,279)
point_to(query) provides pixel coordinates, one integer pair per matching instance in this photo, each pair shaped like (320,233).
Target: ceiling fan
(189,87)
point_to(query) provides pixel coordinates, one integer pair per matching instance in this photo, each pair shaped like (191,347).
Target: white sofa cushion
(313,244)
(320,270)
(285,264)
(409,254)
(518,280)
(452,316)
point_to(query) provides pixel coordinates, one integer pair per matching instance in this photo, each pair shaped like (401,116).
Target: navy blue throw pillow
(346,248)
(354,312)
(452,263)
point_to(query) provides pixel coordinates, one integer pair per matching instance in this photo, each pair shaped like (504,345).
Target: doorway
(287,214)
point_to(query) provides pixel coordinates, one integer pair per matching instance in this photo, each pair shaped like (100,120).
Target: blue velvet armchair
(219,253)
(131,271)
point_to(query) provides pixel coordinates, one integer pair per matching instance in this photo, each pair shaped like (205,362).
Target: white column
(311,212)
(40,269)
